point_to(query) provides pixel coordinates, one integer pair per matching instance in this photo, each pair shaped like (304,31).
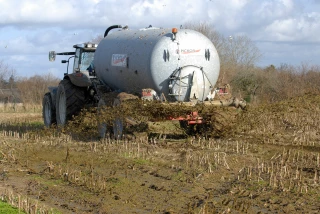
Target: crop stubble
(267,160)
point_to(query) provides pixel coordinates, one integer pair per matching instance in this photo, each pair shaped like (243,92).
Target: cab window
(86,60)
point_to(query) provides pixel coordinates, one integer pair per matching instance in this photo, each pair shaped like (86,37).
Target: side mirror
(52,56)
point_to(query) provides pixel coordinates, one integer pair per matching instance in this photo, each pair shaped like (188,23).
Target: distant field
(19,107)
(20,117)
(267,161)
(20,113)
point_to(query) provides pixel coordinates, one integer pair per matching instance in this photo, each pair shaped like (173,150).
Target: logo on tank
(119,60)
(189,51)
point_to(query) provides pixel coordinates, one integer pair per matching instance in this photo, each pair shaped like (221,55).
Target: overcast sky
(285,31)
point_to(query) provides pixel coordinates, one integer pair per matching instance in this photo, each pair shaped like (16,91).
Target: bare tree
(33,88)
(97,39)
(237,54)
(209,31)
(240,50)
(5,73)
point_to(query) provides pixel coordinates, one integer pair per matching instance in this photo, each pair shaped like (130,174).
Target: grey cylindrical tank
(183,66)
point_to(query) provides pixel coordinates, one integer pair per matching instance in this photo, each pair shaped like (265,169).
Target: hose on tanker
(110,28)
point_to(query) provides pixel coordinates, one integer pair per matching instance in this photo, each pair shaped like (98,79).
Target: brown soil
(269,162)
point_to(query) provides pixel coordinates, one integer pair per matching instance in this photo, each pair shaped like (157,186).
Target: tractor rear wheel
(70,101)
(48,110)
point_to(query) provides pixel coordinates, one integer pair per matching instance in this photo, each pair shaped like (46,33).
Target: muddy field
(266,161)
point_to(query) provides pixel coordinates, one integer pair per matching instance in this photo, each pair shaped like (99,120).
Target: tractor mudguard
(53,93)
(80,79)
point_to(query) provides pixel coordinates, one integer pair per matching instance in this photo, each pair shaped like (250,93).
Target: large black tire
(120,123)
(70,100)
(106,100)
(48,110)
(102,126)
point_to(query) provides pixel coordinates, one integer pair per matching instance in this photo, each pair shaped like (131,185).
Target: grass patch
(6,208)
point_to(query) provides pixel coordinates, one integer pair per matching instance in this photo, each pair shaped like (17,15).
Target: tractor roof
(87,46)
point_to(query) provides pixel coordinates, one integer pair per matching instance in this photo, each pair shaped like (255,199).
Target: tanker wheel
(70,100)
(191,129)
(120,123)
(48,110)
(102,126)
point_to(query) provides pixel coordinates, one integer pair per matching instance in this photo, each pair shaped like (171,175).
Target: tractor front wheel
(48,110)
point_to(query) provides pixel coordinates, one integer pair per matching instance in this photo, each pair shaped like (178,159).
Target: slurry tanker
(171,65)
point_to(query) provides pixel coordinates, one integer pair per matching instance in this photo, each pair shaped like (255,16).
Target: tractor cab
(83,58)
